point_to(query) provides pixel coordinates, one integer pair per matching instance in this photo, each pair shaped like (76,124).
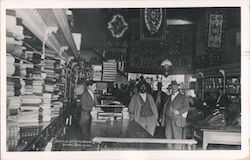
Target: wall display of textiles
(153,24)
(145,56)
(215,29)
(215,24)
(117,28)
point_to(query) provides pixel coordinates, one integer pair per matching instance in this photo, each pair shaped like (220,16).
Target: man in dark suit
(175,116)
(88,101)
(223,101)
(159,97)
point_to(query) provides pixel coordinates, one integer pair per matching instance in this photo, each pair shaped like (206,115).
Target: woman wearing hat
(175,116)
(143,110)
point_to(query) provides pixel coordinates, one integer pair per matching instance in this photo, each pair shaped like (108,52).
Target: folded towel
(18,32)
(29,108)
(31,99)
(17,85)
(10,88)
(11,40)
(17,92)
(10,93)
(45,106)
(38,82)
(15,50)
(10,69)
(10,59)
(10,23)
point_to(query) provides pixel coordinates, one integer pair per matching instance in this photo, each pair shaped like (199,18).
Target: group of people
(153,109)
(161,109)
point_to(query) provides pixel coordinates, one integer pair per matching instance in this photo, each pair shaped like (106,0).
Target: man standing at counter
(176,113)
(143,110)
(88,101)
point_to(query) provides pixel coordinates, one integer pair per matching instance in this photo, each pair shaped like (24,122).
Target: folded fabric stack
(50,85)
(14,105)
(10,64)
(14,34)
(29,114)
(13,134)
(49,69)
(38,86)
(46,107)
(56,108)
(33,56)
(29,132)
(15,87)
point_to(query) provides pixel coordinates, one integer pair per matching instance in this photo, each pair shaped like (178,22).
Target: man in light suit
(88,101)
(175,116)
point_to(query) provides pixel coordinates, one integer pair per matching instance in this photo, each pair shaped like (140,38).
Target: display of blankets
(216,119)
(13,134)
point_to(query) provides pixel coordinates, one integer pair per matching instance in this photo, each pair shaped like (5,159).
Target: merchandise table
(209,135)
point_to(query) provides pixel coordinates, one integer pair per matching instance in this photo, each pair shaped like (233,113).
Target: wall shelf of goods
(226,77)
(36,80)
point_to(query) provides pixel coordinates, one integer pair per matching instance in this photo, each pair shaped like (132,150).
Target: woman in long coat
(143,110)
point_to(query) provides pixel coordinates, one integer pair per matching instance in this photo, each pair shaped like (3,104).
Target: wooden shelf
(39,20)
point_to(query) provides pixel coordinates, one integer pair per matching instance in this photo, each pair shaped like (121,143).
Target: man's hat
(174,83)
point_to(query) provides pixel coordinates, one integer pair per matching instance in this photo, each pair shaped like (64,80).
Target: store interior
(51,54)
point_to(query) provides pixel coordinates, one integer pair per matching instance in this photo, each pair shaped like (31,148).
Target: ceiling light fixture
(178,22)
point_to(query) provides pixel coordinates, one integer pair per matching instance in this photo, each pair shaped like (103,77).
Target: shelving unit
(226,77)
(38,77)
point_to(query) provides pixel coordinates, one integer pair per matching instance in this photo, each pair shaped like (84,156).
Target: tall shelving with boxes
(36,75)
